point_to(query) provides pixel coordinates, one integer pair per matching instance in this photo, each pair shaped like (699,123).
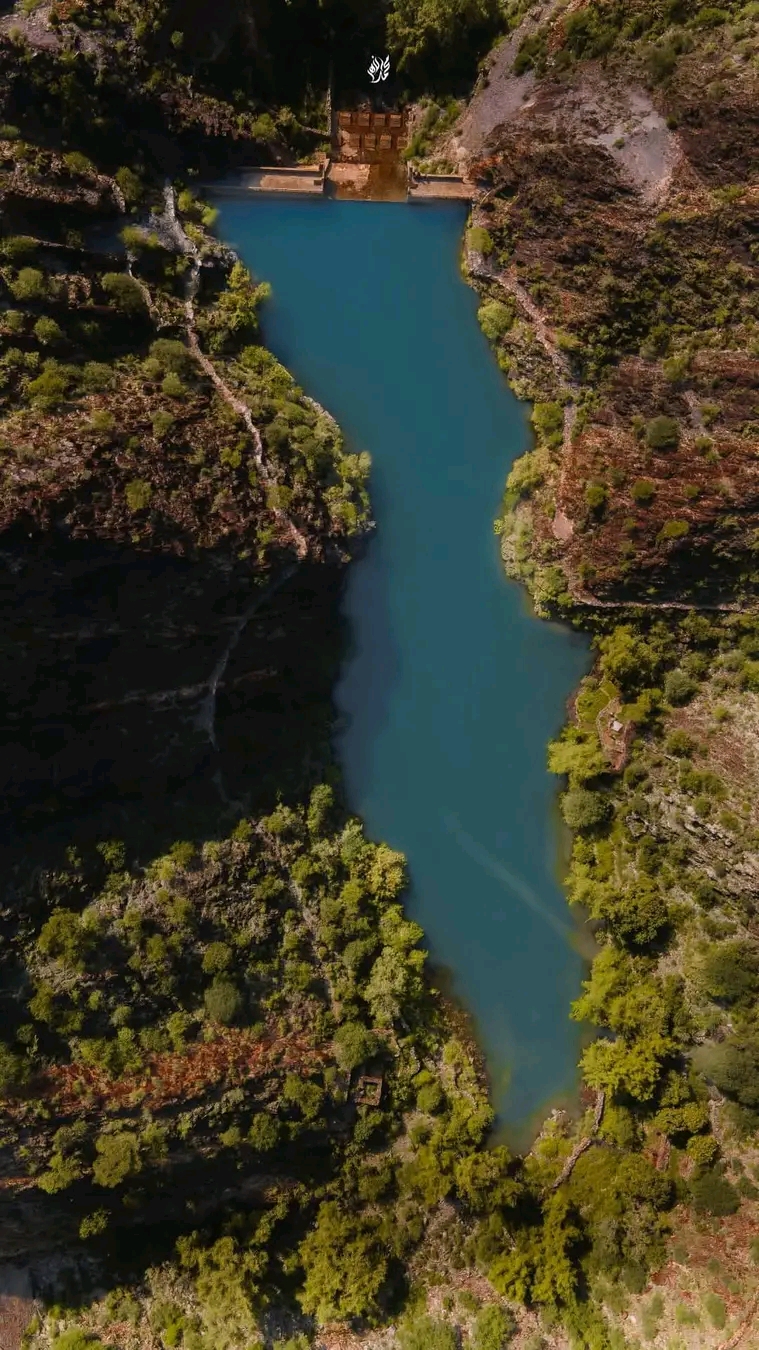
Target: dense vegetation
(625,310)
(228,1088)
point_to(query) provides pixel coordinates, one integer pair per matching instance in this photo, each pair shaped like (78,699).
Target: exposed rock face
(620,210)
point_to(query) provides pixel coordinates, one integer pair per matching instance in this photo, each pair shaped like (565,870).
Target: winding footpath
(189,249)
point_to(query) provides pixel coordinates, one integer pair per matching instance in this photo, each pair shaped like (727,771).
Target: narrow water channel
(452,688)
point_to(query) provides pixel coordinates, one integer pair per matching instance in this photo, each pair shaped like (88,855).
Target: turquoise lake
(452,688)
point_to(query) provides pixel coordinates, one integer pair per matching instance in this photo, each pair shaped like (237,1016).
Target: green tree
(483,1180)
(426,1333)
(662,433)
(643,491)
(354,1045)
(263,1133)
(713,1194)
(494,1327)
(130,185)
(65,938)
(584,810)
(495,319)
(222,1000)
(30,285)
(173,356)
(733,1066)
(548,421)
(217,957)
(117,1158)
(138,494)
(729,972)
(124,292)
(627,659)
(637,915)
(578,756)
(596,497)
(74,1338)
(47,331)
(423,32)
(344,1263)
(631,1067)
(480,240)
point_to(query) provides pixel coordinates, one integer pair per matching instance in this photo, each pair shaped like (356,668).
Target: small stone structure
(360,136)
(368,1091)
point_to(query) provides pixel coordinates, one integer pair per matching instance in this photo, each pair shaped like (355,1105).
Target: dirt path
(185,245)
(508,280)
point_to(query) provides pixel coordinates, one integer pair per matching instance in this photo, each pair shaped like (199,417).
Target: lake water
(452,688)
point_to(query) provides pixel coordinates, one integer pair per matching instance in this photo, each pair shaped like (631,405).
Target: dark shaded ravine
(452,688)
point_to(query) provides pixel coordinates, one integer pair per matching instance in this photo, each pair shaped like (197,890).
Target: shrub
(479,240)
(679,687)
(76,1339)
(527,473)
(703,1149)
(102,420)
(76,162)
(662,433)
(495,319)
(596,497)
(263,1133)
(14,320)
(138,494)
(730,972)
(29,285)
(494,1327)
(680,743)
(673,529)
(643,491)
(49,389)
(172,386)
(354,1045)
(429,1098)
(216,958)
(426,1333)
(661,61)
(163,421)
(711,16)
(172,355)
(130,185)
(733,1067)
(583,809)
(713,1194)
(548,421)
(222,1000)
(18,246)
(715,1311)
(124,292)
(47,331)
(118,1157)
(96,377)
